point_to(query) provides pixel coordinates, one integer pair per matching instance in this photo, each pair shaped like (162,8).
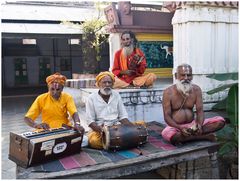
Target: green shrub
(228,136)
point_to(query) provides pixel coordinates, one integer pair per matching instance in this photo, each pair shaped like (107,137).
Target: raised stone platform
(204,168)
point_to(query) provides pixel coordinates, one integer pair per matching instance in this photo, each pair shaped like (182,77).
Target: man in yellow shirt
(55,107)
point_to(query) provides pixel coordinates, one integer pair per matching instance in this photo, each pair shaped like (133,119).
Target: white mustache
(184,86)
(185,81)
(106,91)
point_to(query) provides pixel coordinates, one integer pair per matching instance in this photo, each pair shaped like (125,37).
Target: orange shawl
(123,60)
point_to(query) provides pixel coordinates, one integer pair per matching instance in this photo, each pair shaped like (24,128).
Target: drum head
(106,138)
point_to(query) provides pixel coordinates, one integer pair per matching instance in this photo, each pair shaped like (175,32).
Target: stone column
(214,165)
(114,45)
(206,37)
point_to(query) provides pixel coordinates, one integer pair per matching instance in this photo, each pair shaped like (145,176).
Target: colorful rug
(90,156)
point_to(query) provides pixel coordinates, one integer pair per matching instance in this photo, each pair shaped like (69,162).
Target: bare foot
(211,137)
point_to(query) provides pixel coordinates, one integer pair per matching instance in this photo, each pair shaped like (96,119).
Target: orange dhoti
(143,80)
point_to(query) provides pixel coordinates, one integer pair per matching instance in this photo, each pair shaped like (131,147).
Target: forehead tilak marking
(186,69)
(106,77)
(126,36)
(55,85)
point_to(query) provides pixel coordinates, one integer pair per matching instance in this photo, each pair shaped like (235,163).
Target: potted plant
(228,136)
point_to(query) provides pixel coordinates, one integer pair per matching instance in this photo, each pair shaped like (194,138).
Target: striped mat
(90,156)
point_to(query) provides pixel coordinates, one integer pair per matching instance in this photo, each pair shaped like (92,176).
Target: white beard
(184,87)
(106,91)
(127,50)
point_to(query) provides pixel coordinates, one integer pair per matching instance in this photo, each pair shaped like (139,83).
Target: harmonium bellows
(31,148)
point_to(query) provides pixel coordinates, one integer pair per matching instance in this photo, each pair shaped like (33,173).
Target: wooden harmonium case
(32,148)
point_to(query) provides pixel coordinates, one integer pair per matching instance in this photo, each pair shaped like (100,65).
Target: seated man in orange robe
(130,64)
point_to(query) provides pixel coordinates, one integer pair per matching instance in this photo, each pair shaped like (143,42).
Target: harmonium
(31,148)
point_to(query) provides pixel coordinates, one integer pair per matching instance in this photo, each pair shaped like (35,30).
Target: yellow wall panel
(154,37)
(160,72)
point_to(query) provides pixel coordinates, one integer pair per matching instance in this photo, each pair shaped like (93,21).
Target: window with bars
(44,69)
(65,64)
(21,74)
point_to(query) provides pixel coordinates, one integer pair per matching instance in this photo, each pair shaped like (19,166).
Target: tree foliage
(93,37)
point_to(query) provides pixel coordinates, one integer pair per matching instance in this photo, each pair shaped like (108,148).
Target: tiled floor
(13,110)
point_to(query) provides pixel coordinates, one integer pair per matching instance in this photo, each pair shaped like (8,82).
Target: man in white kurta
(104,108)
(105,113)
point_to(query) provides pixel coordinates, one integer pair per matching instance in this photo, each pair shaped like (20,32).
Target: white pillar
(114,45)
(206,37)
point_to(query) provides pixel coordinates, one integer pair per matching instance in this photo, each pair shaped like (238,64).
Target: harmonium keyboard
(31,148)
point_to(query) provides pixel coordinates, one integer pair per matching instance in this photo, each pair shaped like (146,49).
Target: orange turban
(103,74)
(57,77)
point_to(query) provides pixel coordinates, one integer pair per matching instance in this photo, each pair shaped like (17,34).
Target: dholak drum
(121,136)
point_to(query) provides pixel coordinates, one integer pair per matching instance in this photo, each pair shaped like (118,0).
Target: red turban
(57,78)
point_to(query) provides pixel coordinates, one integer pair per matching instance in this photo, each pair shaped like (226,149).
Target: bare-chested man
(178,103)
